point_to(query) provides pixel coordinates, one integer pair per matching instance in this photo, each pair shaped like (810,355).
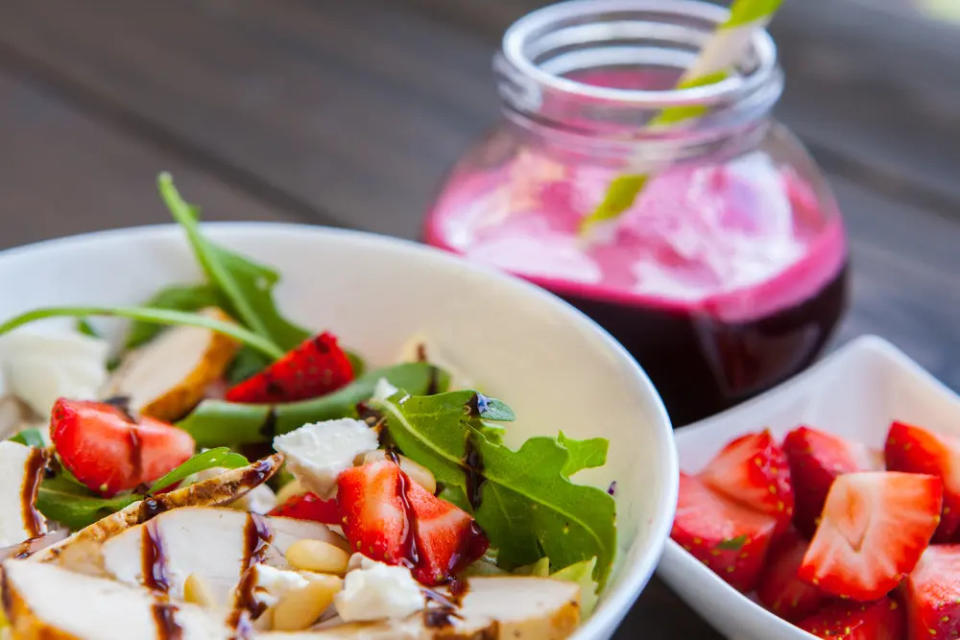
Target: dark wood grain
(349,113)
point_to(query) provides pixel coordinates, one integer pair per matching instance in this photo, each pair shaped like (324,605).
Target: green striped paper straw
(722,51)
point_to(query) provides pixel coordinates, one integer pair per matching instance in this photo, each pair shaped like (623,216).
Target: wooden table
(348,112)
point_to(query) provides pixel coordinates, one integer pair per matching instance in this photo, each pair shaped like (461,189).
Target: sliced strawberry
(309,506)
(373,510)
(931,594)
(388,517)
(316,367)
(109,451)
(753,470)
(447,538)
(874,526)
(916,450)
(726,536)
(880,620)
(780,590)
(816,459)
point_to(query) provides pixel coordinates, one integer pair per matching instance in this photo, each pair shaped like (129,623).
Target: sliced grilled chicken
(21,469)
(46,601)
(216,545)
(79,548)
(168,376)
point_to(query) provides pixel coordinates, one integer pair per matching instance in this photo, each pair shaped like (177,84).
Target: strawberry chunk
(780,590)
(390,518)
(816,459)
(916,450)
(374,513)
(729,538)
(109,450)
(309,506)
(874,527)
(753,470)
(316,367)
(880,620)
(447,538)
(931,594)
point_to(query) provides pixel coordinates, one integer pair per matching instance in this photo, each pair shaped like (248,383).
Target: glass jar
(727,272)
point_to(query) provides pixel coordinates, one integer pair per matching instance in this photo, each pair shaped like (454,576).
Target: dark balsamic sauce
(33,474)
(473,469)
(411,546)
(269,427)
(257,537)
(433,382)
(150,508)
(152,559)
(122,404)
(164,615)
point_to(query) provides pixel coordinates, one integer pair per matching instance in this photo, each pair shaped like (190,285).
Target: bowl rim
(636,565)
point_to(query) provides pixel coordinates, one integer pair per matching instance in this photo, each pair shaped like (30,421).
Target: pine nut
(287,491)
(300,608)
(417,472)
(318,556)
(197,591)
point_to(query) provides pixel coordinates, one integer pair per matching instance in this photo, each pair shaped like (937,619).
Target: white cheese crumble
(272,584)
(376,591)
(40,367)
(383,390)
(317,453)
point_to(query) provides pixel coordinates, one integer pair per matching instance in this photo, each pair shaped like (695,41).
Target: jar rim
(534,25)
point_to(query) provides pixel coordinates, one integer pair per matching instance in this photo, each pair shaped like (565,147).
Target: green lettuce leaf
(245,286)
(584,454)
(68,502)
(190,297)
(30,437)
(582,573)
(523,499)
(219,457)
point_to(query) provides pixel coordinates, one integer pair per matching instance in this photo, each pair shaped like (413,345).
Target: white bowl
(856,393)
(552,364)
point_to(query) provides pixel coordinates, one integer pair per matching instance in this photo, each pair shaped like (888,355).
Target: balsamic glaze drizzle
(257,538)
(33,473)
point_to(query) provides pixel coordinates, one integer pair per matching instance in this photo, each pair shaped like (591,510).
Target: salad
(839,539)
(226,473)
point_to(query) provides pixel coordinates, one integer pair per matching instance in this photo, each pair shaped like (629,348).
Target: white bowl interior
(556,368)
(856,393)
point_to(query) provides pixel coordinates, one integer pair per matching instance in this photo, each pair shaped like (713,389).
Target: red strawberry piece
(309,506)
(109,450)
(916,450)
(931,594)
(390,518)
(374,513)
(447,538)
(874,526)
(780,590)
(753,470)
(727,537)
(816,459)
(880,620)
(316,367)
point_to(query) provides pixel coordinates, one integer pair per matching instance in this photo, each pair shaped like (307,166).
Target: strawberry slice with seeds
(726,536)
(880,620)
(316,367)
(916,450)
(874,527)
(816,459)
(109,450)
(753,470)
(388,517)
(931,594)
(447,538)
(309,506)
(780,590)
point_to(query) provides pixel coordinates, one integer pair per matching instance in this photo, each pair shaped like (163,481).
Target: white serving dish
(555,367)
(856,392)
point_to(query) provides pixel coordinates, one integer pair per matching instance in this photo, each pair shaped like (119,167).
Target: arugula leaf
(584,454)
(191,297)
(582,573)
(247,287)
(527,505)
(30,437)
(219,457)
(73,505)
(83,326)
(246,363)
(217,422)
(147,314)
